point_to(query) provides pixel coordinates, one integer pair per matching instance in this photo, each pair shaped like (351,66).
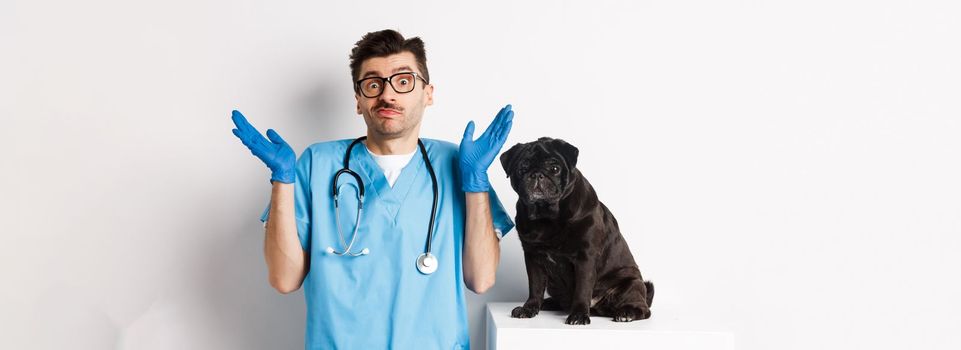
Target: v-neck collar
(390,198)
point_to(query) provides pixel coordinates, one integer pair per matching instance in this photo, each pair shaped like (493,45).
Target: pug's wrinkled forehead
(543,149)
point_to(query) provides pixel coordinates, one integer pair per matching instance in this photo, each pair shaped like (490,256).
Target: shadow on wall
(511,284)
(237,294)
(321,116)
(206,290)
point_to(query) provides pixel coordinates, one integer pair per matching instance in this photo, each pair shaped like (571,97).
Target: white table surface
(668,328)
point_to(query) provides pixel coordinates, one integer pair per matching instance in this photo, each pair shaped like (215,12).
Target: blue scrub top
(380,300)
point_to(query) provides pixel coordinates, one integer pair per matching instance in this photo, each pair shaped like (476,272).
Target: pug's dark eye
(524,165)
(555,169)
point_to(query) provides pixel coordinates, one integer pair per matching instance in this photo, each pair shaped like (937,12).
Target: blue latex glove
(276,153)
(477,156)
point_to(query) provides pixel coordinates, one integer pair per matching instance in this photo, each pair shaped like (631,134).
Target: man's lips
(387,112)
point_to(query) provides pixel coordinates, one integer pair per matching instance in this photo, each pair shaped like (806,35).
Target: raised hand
(477,156)
(275,152)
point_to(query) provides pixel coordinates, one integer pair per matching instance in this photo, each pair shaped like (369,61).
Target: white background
(788,170)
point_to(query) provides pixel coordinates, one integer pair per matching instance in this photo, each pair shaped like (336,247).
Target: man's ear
(509,158)
(429,91)
(357,97)
(568,151)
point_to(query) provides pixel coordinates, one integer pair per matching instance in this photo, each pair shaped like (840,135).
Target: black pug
(573,247)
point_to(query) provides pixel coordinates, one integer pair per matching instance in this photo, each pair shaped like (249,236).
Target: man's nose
(389,93)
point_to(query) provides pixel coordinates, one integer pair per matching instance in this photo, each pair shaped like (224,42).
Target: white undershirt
(392,164)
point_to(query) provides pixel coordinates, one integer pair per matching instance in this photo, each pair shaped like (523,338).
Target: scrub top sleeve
(302,201)
(502,222)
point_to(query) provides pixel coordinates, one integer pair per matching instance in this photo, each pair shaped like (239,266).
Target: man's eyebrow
(376,74)
(402,69)
(370,74)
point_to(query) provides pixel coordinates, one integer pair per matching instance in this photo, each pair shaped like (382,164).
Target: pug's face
(541,173)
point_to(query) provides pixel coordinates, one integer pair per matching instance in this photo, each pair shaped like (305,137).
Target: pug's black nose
(536,176)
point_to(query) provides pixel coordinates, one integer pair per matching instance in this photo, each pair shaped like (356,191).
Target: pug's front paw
(524,312)
(579,318)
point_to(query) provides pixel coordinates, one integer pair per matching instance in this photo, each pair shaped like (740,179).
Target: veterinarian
(415,221)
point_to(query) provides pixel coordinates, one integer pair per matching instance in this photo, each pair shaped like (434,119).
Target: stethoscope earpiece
(330,250)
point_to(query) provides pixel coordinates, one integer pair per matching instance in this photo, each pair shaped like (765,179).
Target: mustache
(388,105)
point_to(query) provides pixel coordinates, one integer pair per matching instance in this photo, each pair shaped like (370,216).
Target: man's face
(393,114)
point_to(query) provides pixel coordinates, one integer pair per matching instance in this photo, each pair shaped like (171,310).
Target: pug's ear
(509,158)
(566,150)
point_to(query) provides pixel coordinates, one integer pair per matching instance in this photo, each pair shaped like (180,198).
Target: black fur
(573,247)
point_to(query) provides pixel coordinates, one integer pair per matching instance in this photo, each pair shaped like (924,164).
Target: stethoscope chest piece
(426,263)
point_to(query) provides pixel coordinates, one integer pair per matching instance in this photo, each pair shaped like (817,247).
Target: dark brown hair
(385,43)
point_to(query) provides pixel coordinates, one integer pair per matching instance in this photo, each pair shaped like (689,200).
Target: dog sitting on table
(572,245)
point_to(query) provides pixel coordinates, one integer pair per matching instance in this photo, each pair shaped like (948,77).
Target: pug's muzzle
(541,188)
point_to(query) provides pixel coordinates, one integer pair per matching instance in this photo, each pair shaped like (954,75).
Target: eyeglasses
(374,86)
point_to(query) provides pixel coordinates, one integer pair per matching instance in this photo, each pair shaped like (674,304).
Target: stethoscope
(426,262)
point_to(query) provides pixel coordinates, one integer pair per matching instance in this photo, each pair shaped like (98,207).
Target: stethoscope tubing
(431,266)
